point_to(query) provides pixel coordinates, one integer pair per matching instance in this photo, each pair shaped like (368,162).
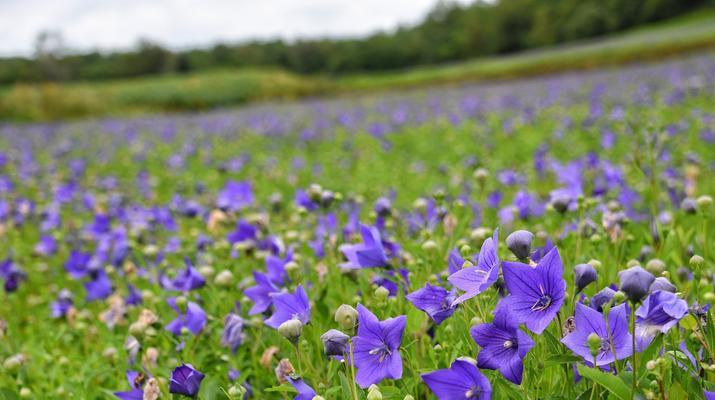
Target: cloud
(114,24)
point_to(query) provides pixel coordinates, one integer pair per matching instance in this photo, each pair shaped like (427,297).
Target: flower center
(508,344)
(383,351)
(473,393)
(605,346)
(543,302)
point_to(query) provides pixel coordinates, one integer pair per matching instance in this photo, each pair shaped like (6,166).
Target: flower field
(546,238)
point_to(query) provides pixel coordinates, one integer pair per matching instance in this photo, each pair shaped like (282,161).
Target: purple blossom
(232,331)
(305,392)
(136,392)
(435,301)
(613,333)
(260,293)
(235,196)
(504,345)
(193,320)
(185,380)
(476,279)
(462,380)
(376,348)
(62,305)
(368,254)
(659,312)
(188,280)
(290,306)
(100,287)
(535,293)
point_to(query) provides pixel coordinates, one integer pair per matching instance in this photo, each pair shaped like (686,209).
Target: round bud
(346,317)
(429,245)
(619,297)
(594,343)
(704,202)
(651,365)
(519,243)
(381,293)
(696,261)
(655,266)
(224,279)
(291,329)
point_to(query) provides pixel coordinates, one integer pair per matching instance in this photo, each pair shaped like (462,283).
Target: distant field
(223,88)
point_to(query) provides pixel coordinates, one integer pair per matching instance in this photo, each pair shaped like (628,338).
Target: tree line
(450,32)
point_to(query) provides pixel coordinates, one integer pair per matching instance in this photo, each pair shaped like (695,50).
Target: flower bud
(429,245)
(585,274)
(594,343)
(346,317)
(689,205)
(409,397)
(619,297)
(25,393)
(696,261)
(651,365)
(137,329)
(224,278)
(465,250)
(519,243)
(662,283)
(704,202)
(655,266)
(381,294)
(635,283)
(237,391)
(318,397)
(373,393)
(334,342)
(596,264)
(480,175)
(291,329)
(13,362)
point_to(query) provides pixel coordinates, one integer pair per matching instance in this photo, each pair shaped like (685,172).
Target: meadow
(541,238)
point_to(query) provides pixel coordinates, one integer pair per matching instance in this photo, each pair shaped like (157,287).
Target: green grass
(221,88)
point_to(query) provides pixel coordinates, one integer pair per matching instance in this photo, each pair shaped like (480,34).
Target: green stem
(633,356)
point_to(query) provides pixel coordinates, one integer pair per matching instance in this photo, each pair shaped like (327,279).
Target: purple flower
(100,287)
(235,196)
(519,243)
(601,298)
(435,301)
(368,254)
(260,293)
(662,283)
(194,319)
(62,305)
(334,342)
(635,282)
(190,279)
(535,294)
(659,312)
(232,331)
(376,348)
(585,274)
(504,345)
(612,332)
(461,381)
(305,392)
(136,393)
(290,306)
(185,380)
(46,246)
(77,264)
(12,275)
(474,280)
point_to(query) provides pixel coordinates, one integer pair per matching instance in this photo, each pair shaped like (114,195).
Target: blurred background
(85,58)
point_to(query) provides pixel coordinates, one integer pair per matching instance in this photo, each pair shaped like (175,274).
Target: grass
(223,88)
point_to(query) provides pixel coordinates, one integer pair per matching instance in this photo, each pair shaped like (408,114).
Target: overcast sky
(118,24)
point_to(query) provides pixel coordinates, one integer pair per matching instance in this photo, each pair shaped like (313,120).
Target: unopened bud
(224,278)
(291,329)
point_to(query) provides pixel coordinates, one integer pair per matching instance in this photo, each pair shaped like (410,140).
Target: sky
(119,24)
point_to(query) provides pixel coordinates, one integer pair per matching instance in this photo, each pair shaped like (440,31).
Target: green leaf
(676,392)
(612,383)
(345,385)
(561,359)
(689,322)
(650,353)
(284,388)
